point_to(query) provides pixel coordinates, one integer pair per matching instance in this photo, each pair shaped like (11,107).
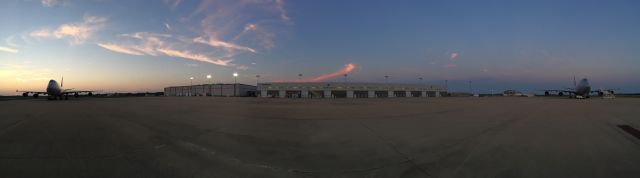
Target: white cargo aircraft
(581,90)
(55,91)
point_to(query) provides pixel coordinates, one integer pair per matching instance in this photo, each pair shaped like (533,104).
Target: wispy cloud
(42,33)
(51,3)
(189,55)
(237,19)
(242,67)
(144,43)
(345,70)
(77,33)
(173,3)
(283,12)
(223,44)
(8,49)
(249,27)
(120,49)
(226,28)
(453,56)
(262,36)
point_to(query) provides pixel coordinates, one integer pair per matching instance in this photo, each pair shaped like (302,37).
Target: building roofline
(240,84)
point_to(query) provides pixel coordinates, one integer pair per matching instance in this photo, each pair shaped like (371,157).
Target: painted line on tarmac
(630,130)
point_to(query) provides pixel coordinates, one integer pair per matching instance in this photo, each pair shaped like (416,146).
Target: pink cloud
(345,70)
(120,49)
(77,33)
(453,56)
(192,56)
(144,43)
(221,44)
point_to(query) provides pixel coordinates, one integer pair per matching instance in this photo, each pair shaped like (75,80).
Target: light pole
(386,82)
(210,92)
(257,85)
(235,79)
(299,77)
(191,86)
(345,78)
(420,78)
(257,79)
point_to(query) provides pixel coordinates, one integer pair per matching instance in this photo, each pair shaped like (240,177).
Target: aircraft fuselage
(583,88)
(53,89)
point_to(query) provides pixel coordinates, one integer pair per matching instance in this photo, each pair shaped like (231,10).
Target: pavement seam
(14,125)
(396,150)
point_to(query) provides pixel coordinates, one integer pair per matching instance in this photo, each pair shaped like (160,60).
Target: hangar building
(211,90)
(347,90)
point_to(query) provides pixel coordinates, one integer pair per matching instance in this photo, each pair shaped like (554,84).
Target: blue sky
(122,45)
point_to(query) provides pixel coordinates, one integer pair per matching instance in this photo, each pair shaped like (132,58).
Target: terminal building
(211,90)
(347,90)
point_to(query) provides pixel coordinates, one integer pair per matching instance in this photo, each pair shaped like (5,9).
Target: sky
(483,46)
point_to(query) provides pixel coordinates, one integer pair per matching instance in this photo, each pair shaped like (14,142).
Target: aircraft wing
(602,91)
(77,91)
(33,92)
(558,91)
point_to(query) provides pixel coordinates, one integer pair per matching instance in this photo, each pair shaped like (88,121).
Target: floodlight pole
(191,86)
(211,85)
(420,78)
(235,83)
(257,85)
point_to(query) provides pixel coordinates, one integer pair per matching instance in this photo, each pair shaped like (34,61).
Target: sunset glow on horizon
(138,46)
